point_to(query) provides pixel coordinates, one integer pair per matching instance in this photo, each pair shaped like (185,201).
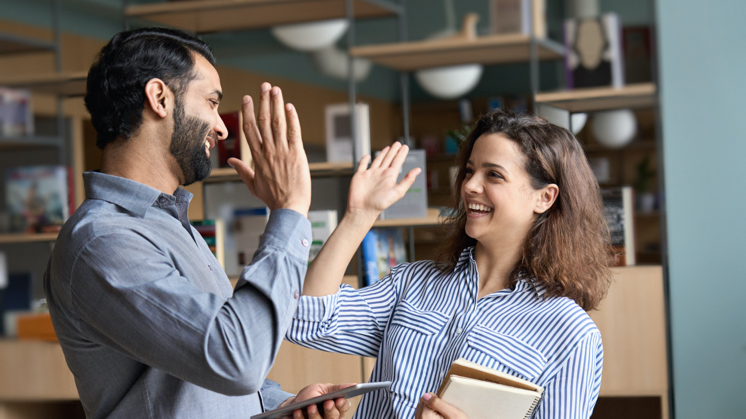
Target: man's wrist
(302,209)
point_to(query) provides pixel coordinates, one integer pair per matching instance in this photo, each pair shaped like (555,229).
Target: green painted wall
(703,88)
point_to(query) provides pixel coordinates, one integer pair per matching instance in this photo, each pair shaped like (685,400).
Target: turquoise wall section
(703,89)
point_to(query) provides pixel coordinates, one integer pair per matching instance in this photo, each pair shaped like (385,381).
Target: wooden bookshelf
(64,84)
(27,238)
(34,371)
(229,174)
(433,218)
(493,49)
(642,95)
(224,15)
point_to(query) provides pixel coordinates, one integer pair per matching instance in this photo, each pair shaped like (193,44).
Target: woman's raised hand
(374,189)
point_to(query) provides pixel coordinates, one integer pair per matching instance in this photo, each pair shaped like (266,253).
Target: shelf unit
(642,95)
(488,50)
(62,84)
(229,174)
(226,15)
(15,44)
(27,238)
(433,218)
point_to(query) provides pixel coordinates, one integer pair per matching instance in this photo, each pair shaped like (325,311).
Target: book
(234,145)
(485,393)
(414,202)
(593,52)
(213,232)
(619,213)
(339,134)
(518,16)
(248,227)
(383,248)
(38,198)
(16,117)
(323,224)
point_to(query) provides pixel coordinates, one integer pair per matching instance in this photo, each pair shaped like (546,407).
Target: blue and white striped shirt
(418,320)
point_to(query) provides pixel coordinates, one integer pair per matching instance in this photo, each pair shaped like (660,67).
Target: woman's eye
(496,175)
(468,171)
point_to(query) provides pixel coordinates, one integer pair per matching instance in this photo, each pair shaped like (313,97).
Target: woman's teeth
(479,207)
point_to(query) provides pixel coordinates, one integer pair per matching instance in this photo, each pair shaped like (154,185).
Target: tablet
(346,392)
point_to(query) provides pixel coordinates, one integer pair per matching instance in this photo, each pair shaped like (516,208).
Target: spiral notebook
(485,393)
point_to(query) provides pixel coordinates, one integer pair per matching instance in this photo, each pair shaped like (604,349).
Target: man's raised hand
(280,178)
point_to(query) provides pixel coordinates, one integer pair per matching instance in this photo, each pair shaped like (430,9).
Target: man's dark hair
(115,95)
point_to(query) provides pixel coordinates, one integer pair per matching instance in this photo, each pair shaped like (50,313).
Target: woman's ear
(158,97)
(546,197)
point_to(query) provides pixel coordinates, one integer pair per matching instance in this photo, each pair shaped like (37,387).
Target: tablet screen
(346,392)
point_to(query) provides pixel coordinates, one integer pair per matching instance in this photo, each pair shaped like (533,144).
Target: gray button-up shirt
(146,317)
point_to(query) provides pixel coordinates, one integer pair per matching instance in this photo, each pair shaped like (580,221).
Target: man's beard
(188,145)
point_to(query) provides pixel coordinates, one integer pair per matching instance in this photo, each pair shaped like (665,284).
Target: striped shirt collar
(467,265)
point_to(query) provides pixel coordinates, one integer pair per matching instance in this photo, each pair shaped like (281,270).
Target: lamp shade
(614,129)
(577,121)
(310,36)
(449,82)
(332,61)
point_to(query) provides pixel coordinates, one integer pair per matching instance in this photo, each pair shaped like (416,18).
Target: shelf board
(229,174)
(27,238)
(224,15)
(642,95)
(34,371)
(65,84)
(492,49)
(433,218)
(14,44)
(30,141)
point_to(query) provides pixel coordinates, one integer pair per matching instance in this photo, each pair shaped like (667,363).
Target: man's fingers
(390,156)
(253,136)
(403,186)
(363,165)
(379,158)
(245,172)
(295,138)
(264,121)
(279,123)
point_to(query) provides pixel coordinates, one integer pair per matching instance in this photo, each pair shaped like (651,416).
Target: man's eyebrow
(219,93)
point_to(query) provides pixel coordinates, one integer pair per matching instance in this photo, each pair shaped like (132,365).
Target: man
(146,317)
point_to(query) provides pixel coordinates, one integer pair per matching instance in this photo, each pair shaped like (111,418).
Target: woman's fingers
(379,158)
(390,155)
(403,186)
(363,165)
(400,156)
(444,409)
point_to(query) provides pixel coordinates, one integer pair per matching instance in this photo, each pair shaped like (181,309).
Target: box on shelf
(234,145)
(38,198)
(248,227)
(16,116)
(383,248)
(323,224)
(339,134)
(35,326)
(518,16)
(594,53)
(414,202)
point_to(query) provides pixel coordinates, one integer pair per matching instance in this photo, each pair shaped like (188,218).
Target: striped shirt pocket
(506,350)
(425,322)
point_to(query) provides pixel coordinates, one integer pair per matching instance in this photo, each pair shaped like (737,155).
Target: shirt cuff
(290,231)
(318,309)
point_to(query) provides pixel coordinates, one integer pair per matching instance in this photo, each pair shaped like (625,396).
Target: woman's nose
(472,185)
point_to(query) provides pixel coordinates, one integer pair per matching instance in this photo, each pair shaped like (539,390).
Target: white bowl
(310,36)
(449,82)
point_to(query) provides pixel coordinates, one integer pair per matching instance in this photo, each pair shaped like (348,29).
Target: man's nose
(221,129)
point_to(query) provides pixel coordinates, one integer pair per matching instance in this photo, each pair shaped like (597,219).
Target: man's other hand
(333,409)
(280,177)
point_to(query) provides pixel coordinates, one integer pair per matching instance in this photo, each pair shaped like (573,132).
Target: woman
(527,255)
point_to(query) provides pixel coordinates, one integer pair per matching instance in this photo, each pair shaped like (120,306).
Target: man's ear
(158,97)
(546,197)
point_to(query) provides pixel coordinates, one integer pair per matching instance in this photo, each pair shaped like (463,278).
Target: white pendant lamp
(311,36)
(614,129)
(449,82)
(332,61)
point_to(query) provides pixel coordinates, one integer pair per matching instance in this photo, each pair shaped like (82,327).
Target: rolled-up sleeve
(350,321)
(163,320)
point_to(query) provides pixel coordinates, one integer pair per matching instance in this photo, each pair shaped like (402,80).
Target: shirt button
(296,294)
(304,242)
(459,330)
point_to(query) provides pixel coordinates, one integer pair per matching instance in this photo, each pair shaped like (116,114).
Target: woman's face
(499,199)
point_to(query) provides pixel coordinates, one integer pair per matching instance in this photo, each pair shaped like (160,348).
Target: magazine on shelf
(383,248)
(16,117)
(323,223)
(38,198)
(619,213)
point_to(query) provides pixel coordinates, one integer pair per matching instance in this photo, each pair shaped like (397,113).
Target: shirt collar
(524,284)
(128,194)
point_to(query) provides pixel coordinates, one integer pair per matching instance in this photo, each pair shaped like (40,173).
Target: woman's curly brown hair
(567,249)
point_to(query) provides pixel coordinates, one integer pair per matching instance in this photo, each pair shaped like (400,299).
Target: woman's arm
(371,191)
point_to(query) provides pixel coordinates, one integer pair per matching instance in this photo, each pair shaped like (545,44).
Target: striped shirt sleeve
(350,321)
(573,392)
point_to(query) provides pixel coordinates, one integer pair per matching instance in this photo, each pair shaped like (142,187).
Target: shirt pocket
(507,350)
(412,318)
